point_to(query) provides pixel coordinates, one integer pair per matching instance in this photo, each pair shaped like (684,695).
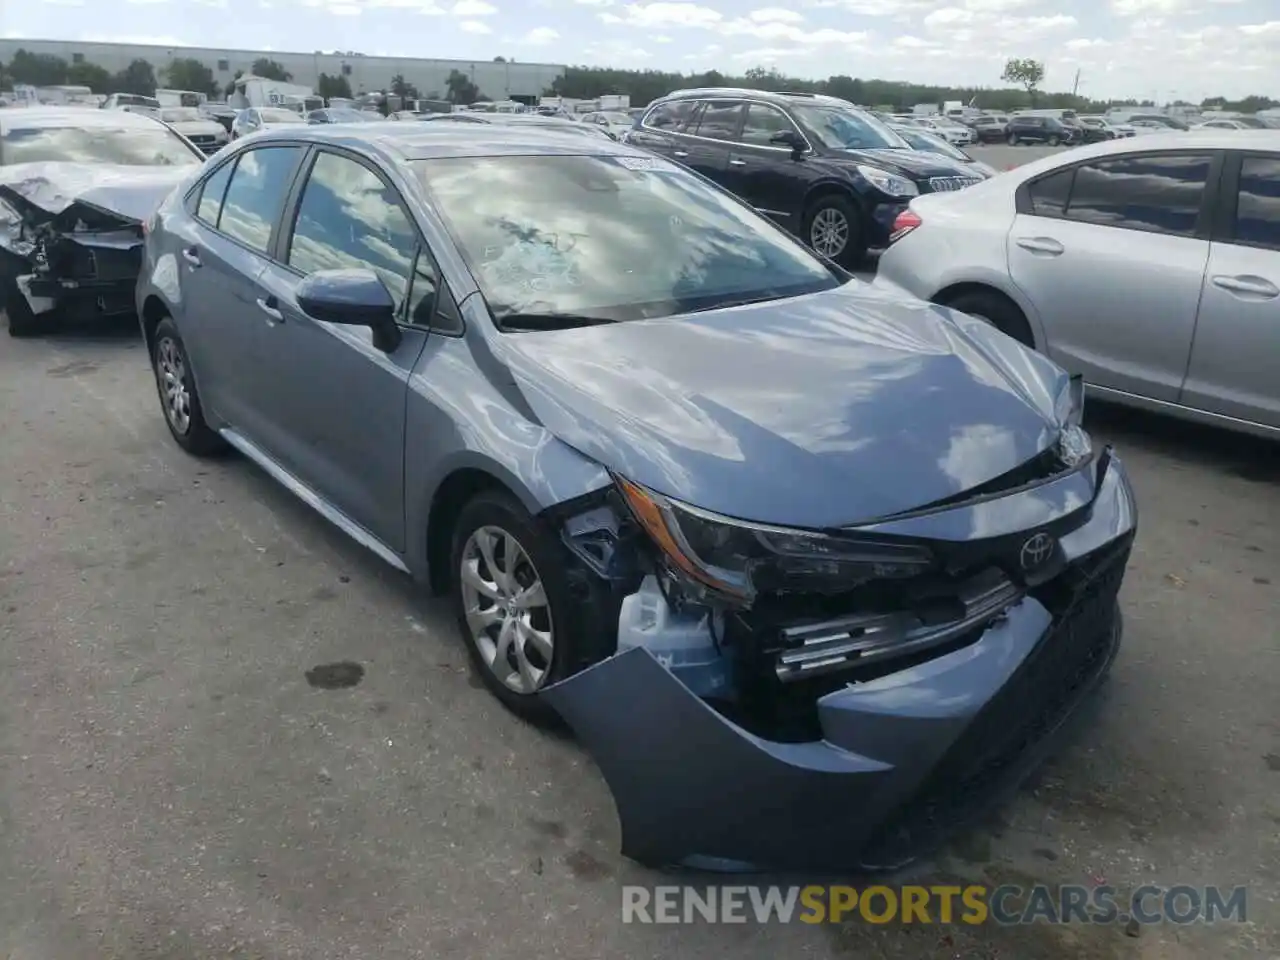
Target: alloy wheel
(507,610)
(171,372)
(829,232)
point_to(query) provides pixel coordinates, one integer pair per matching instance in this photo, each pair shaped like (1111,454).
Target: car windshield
(180,115)
(611,238)
(148,146)
(134,100)
(919,140)
(271,115)
(1252,122)
(348,116)
(843,128)
(615,117)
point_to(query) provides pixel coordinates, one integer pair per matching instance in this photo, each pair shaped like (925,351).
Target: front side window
(720,119)
(763,123)
(350,219)
(152,145)
(1158,194)
(571,247)
(262,178)
(1258,203)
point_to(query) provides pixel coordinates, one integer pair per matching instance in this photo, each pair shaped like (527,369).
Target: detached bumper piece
(894,755)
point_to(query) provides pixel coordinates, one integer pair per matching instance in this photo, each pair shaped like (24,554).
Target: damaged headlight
(737,559)
(1074,445)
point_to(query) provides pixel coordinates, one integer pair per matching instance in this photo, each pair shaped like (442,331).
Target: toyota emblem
(1036,551)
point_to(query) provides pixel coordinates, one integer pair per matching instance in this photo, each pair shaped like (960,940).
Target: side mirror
(788,138)
(353,298)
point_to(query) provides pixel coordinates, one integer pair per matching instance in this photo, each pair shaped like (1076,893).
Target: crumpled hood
(817,411)
(127,191)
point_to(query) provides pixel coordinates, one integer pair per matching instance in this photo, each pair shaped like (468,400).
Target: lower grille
(951,184)
(1031,705)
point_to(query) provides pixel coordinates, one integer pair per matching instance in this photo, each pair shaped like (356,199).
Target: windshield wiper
(548,321)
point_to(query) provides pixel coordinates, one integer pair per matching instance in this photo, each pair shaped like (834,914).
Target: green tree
(1025,71)
(330,87)
(37,69)
(402,89)
(269,69)
(96,78)
(462,88)
(138,77)
(188,73)
(231,84)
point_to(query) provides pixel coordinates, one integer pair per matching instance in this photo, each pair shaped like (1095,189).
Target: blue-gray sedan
(813,571)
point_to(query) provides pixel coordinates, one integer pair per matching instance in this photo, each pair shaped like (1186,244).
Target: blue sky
(1164,49)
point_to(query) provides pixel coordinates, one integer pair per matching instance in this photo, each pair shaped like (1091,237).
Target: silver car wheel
(171,371)
(507,609)
(829,232)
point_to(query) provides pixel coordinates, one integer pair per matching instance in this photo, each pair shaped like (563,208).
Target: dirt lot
(171,785)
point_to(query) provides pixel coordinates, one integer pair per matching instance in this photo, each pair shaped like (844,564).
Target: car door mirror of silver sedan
(353,298)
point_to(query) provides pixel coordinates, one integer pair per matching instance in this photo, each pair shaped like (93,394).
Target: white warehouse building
(496,80)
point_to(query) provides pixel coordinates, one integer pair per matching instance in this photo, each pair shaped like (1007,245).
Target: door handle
(1248,287)
(735,162)
(1045,246)
(268,306)
(191,256)
(680,153)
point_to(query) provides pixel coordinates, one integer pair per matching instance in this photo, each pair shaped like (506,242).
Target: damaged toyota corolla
(814,573)
(75,188)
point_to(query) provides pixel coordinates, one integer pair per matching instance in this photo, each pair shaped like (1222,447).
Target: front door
(1112,254)
(1235,359)
(339,401)
(708,137)
(765,174)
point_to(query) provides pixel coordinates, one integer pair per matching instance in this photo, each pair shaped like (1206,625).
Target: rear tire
(179,399)
(997,310)
(1012,139)
(830,219)
(22,321)
(1054,140)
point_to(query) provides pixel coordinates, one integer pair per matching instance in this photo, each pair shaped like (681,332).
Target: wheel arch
(949,293)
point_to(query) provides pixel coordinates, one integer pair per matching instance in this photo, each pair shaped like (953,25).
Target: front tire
(179,399)
(833,229)
(1012,139)
(513,603)
(1054,140)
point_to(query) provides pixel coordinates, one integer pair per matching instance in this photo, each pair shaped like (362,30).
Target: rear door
(338,402)
(658,131)
(1235,359)
(1112,253)
(714,130)
(224,249)
(765,174)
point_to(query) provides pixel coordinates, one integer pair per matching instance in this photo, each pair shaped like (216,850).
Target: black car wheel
(1012,139)
(23,322)
(179,399)
(833,228)
(513,603)
(1054,140)
(997,310)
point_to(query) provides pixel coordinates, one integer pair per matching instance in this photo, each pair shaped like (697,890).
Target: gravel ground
(171,786)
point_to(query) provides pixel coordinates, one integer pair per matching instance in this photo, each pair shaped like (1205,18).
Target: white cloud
(1086,43)
(1136,8)
(473,8)
(664,14)
(1269,29)
(946,16)
(344,10)
(776,15)
(474,26)
(539,36)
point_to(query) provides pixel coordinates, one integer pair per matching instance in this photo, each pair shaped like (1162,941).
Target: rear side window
(256,193)
(671,115)
(1159,194)
(211,194)
(720,120)
(1049,194)
(1258,203)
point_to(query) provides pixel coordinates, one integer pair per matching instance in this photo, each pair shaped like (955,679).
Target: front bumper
(904,759)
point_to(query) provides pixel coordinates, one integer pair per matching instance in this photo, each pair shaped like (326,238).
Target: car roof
(28,117)
(426,141)
(772,96)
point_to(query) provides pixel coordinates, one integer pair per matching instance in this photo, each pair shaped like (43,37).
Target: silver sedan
(1150,265)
